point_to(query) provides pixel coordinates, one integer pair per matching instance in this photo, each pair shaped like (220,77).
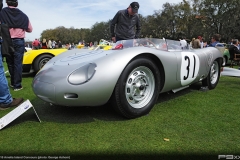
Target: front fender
(30,55)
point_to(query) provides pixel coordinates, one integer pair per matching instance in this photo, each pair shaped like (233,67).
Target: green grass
(195,122)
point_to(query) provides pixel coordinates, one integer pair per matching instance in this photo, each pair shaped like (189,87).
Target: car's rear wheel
(41,61)
(137,89)
(213,76)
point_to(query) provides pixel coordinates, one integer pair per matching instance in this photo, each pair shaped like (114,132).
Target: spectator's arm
(113,23)
(29,27)
(138,28)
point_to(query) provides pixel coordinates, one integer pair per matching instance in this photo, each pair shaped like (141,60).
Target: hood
(78,56)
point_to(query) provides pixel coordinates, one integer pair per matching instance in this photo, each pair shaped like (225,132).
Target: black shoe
(14,103)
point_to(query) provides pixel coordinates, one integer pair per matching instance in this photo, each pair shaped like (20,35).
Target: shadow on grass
(76,115)
(28,75)
(170,95)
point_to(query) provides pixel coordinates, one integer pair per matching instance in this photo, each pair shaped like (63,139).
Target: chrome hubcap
(214,72)
(139,87)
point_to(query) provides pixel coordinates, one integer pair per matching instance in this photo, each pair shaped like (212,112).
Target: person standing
(44,43)
(201,41)
(59,44)
(18,24)
(53,44)
(126,23)
(36,44)
(196,43)
(6,100)
(183,43)
(215,41)
(49,44)
(69,46)
(233,49)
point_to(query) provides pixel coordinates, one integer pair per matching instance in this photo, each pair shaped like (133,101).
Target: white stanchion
(11,116)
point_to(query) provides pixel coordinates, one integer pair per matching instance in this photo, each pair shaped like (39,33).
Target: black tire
(41,61)
(137,89)
(213,76)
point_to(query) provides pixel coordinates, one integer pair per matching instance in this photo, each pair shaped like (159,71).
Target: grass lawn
(187,123)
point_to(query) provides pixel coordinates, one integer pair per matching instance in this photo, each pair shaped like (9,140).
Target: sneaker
(11,86)
(14,103)
(18,89)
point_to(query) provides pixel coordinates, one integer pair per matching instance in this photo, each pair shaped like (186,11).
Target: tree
(187,18)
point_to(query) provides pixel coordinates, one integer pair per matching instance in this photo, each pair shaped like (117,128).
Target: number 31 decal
(189,68)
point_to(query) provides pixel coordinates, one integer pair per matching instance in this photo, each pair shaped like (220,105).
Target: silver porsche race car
(131,75)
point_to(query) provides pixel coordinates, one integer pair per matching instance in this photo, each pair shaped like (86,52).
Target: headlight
(82,74)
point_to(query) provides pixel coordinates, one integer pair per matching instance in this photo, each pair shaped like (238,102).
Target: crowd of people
(52,44)
(44,44)
(199,42)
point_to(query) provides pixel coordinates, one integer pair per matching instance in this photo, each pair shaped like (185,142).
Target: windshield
(160,44)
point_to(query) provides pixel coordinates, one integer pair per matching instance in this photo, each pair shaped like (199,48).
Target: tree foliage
(185,19)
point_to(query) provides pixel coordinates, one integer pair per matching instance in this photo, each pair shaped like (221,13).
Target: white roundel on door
(189,68)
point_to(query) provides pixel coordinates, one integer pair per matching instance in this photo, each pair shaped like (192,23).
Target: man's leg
(5,96)
(18,58)
(10,65)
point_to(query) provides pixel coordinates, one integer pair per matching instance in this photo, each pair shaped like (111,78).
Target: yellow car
(36,59)
(80,46)
(103,44)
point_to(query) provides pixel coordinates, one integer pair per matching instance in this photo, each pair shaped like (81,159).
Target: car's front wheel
(41,61)
(137,89)
(213,76)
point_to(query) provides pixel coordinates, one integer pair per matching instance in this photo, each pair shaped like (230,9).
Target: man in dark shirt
(126,24)
(6,100)
(59,44)
(18,23)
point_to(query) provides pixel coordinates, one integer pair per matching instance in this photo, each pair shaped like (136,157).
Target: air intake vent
(70,96)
